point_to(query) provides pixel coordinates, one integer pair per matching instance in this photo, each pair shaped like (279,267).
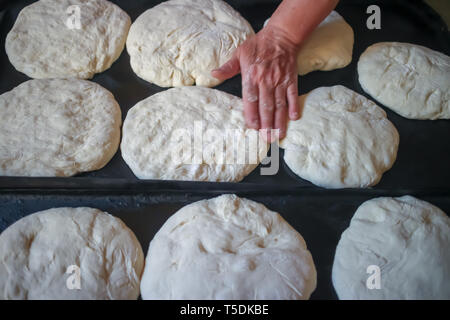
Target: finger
(292,98)
(250,99)
(281,111)
(266,107)
(228,70)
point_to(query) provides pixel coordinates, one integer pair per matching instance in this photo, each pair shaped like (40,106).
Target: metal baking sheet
(424,153)
(319,215)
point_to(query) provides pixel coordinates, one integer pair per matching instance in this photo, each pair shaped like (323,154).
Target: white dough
(37,250)
(328,47)
(170,136)
(57,128)
(342,139)
(44,44)
(179,42)
(407,238)
(227,248)
(412,80)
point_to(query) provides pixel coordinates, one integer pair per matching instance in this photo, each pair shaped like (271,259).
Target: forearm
(298,18)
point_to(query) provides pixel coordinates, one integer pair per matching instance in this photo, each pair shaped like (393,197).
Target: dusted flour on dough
(412,80)
(407,238)
(57,128)
(37,250)
(342,139)
(160,139)
(42,45)
(328,47)
(227,248)
(179,42)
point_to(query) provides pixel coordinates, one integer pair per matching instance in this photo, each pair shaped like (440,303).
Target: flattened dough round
(179,42)
(179,134)
(37,250)
(227,248)
(57,128)
(407,238)
(342,140)
(328,47)
(412,80)
(42,45)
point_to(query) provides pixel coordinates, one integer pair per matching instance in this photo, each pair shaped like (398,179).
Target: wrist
(279,35)
(296,19)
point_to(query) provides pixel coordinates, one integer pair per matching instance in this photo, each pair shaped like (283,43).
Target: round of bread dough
(190,133)
(227,248)
(328,47)
(412,80)
(342,139)
(67,38)
(179,42)
(394,249)
(56,127)
(70,253)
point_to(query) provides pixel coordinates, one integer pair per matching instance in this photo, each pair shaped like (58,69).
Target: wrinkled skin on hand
(267,62)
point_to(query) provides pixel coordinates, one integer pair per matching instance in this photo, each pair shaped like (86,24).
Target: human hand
(268,64)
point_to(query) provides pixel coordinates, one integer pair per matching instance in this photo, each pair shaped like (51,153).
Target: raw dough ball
(57,128)
(412,80)
(227,248)
(179,42)
(37,250)
(328,47)
(342,140)
(408,239)
(181,134)
(43,42)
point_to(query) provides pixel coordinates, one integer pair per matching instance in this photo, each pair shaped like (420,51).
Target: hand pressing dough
(179,42)
(41,43)
(412,80)
(328,47)
(342,140)
(37,250)
(170,136)
(57,128)
(227,248)
(407,238)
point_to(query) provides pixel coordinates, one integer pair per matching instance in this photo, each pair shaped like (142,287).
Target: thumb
(228,70)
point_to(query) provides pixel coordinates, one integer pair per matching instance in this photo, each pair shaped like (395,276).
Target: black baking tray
(424,152)
(319,215)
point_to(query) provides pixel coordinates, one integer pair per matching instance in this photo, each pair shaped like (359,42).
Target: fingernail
(276,134)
